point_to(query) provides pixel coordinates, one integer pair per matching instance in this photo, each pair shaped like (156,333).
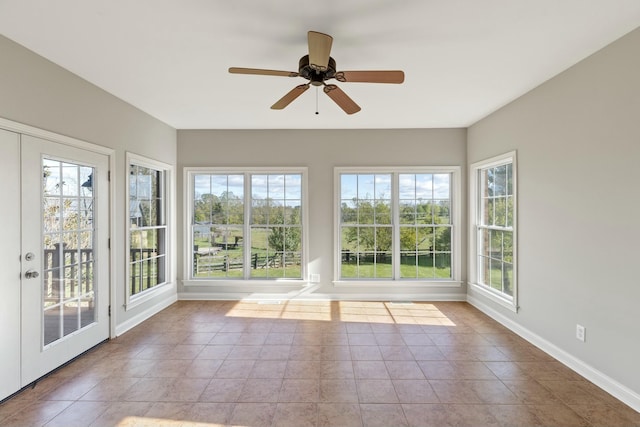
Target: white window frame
(189,172)
(455,212)
(132,301)
(475,285)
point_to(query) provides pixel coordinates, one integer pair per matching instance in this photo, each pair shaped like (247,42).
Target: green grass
(384,271)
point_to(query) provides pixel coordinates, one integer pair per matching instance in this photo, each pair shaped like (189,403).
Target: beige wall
(38,93)
(578,143)
(321,151)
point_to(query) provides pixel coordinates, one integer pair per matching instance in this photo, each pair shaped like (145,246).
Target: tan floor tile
(417,339)
(296,415)
(335,339)
(396,352)
(110,389)
(253,414)
(404,370)
(415,391)
(570,392)
(260,390)
(303,369)
(473,392)
(335,352)
(203,368)
(215,351)
(531,392)
(507,370)
(269,369)
(185,390)
(222,390)
(362,339)
(210,363)
(338,390)
(383,415)
(332,369)
(376,391)
(225,338)
(514,415)
(339,415)
(235,369)
(370,370)
(245,352)
(358,327)
(274,352)
(148,390)
(78,414)
(426,352)
(365,352)
(556,415)
(175,412)
(121,414)
(305,352)
(168,368)
(299,390)
(279,338)
(216,414)
(199,338)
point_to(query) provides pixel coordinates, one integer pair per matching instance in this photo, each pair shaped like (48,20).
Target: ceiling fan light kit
(317,67)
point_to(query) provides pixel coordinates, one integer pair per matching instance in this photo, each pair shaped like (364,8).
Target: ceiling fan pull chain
(317,100)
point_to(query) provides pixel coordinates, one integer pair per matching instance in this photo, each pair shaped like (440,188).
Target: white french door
(65,254)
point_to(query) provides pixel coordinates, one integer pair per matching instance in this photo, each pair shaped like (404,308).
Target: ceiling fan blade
(341,98)
(319,50)
(237,70)
(395,76)
(289,97)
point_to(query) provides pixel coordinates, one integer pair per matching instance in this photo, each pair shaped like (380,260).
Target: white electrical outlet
(581,332)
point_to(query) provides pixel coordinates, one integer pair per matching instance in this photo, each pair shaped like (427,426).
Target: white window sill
(144,296)
(293,283)
(488,293)
(397,283)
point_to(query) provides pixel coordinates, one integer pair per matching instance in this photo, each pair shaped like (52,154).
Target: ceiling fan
(318,67)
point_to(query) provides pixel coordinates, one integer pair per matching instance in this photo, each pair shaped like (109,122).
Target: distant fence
(203,263)
(407,258)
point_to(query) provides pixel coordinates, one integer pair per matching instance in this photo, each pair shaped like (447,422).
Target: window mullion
(395,223)
(248,201)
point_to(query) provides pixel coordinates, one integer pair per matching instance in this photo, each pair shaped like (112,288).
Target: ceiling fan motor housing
(315,75)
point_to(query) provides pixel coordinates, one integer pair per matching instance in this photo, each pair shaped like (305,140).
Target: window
(246,224)
(147,183)
(397,224)
(493,228)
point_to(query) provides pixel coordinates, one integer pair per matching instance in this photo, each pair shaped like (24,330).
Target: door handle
(31,274)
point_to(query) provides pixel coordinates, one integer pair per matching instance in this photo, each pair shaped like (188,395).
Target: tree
(285,236)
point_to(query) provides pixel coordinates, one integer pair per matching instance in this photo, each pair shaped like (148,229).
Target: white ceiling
(463,59)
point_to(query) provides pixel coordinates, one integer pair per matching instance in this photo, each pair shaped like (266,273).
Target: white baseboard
(302,296)
(144,315)
(613,387)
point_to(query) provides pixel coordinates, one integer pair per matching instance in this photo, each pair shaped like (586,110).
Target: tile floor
(316,364)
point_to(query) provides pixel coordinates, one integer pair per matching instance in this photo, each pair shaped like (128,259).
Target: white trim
(145,314)
(455,198)
(610,385)
(132,301)
(54,137)
(472,243)
(397,284)
(491,294)
(188,189)
(302,296)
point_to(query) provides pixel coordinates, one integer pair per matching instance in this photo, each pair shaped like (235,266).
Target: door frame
(24,129)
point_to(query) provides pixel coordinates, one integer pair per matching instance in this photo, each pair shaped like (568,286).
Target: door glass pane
(68,238)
